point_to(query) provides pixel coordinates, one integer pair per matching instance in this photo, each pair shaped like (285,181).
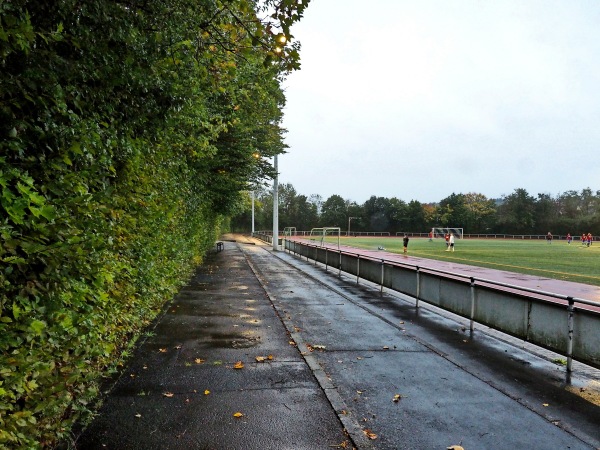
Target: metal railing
(564,324)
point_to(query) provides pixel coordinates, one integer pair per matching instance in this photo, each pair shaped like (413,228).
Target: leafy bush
(127,133)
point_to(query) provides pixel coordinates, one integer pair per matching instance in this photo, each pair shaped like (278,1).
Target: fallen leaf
(206,392)
(260,359)
(292,343)
(386,347)
(455,447)
(238,415)
(168,394)
(238,365)
(319,347)
(545,404)
(138,415)
(270,357)
(162,350)
(370,434)
(178,347)
(199,360)
(396,398)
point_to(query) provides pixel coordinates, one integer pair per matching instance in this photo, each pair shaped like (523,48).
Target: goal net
(442,232)
(289,231)
(325,234)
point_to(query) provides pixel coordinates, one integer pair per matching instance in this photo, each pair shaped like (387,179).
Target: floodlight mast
(252,212)
(275,207)
(350,220)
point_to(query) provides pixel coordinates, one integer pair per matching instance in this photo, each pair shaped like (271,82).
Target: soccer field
(558,260)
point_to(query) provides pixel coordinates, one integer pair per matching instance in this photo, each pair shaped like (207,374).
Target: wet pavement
(343,357)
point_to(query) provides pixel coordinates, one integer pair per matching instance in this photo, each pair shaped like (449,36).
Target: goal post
(319,234)
(441,232)
(289,231)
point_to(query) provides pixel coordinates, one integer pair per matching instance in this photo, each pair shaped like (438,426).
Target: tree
(334,212)
(546,214)
(480,212)
(417,219)
(454,211)
(376,213)
(398,215)
(516,213)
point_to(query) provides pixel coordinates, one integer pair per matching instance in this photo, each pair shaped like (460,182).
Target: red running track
(565,288)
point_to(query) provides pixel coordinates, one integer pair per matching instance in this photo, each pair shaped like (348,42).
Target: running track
(566,288)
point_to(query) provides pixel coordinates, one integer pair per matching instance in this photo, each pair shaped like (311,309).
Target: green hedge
(128,131)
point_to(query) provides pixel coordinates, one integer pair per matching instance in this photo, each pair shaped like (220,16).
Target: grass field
(558,260)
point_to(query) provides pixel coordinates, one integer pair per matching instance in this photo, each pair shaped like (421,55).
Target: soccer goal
(318,235)
(289,231)
(442,232)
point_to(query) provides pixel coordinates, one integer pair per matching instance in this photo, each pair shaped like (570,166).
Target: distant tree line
(517,213)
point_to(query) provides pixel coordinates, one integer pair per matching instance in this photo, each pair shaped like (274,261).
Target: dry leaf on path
(238,415)
(455,447)
(238,365)
(206,392)
(199,360)
(370,434)
(162,350)
(168,394)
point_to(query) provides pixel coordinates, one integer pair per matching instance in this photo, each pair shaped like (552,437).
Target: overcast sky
(420,99)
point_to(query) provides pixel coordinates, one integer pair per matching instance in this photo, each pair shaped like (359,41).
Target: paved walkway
(183,388)
(349,368)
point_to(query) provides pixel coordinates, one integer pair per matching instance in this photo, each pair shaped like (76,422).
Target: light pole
(252,213)
(256,156)
(275,207)
(350,220)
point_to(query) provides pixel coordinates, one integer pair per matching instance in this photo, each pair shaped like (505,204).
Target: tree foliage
(516,213)
(128,130)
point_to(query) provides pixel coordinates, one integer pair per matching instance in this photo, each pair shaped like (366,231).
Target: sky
(422,99)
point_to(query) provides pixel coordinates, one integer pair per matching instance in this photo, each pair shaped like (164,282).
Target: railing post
(570,309)
(326,254)
(340,264)
(471,325)
(317,254)
(357,267)
(418,287)
(382,275)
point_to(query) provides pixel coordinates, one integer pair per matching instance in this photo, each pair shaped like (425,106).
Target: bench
(220,246)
